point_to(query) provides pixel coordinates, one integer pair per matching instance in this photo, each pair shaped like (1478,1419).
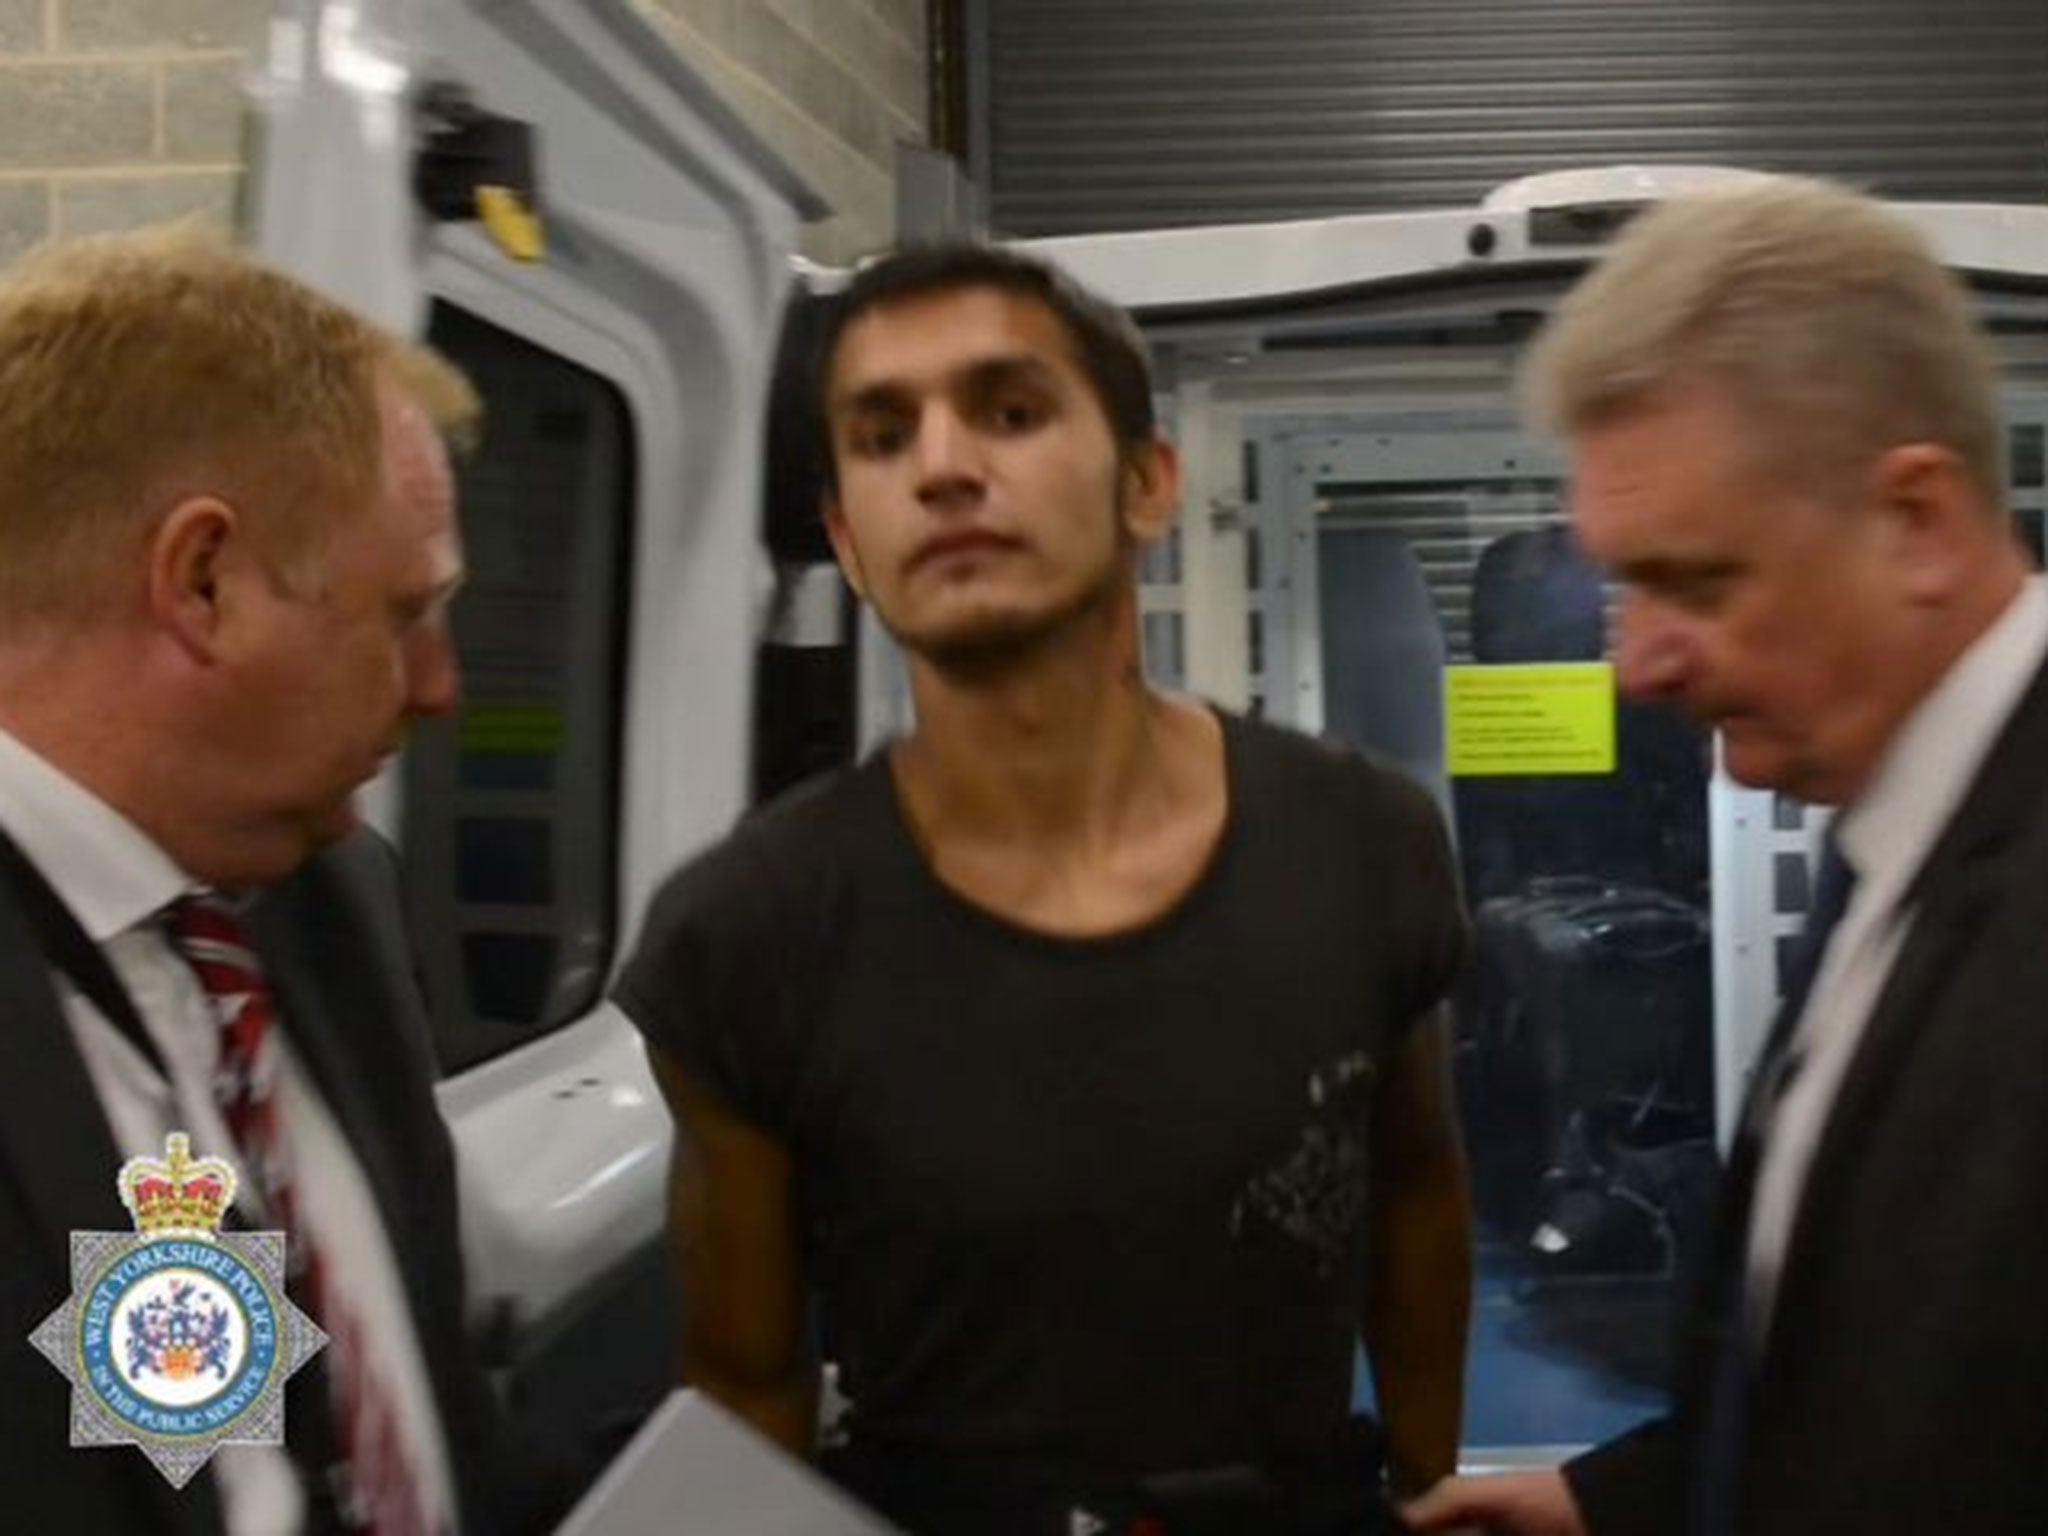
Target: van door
(616,584)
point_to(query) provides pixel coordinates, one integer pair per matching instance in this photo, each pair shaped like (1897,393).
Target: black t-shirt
(1093,1206)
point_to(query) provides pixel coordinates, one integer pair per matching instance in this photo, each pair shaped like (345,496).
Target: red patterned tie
(382,1494)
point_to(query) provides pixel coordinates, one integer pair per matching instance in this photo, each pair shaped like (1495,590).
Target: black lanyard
(70,948)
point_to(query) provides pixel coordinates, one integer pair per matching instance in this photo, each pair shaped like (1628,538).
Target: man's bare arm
(1419,1303)
(733,1223)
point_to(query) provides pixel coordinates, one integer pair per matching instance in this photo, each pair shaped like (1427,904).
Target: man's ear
(842,545)
(1151,485)
(196,559)
(1934,518)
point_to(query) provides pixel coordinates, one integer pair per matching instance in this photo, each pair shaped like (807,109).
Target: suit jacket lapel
(320,987)
(54,1135)
(1955,890)
(1709,1315)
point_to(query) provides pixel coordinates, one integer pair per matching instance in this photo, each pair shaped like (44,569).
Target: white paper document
(695,1470)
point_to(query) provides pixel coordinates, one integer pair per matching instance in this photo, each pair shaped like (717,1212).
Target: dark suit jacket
(337,962)
(1903,1385)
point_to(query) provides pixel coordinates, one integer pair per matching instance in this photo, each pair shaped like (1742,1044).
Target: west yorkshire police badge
(177,1337)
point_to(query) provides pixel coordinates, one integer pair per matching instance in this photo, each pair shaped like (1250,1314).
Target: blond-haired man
(1788,451)
(227,542)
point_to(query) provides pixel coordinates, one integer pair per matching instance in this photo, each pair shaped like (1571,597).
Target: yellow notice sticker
(1536,718)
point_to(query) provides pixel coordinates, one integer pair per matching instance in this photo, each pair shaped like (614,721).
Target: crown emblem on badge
(178,1194)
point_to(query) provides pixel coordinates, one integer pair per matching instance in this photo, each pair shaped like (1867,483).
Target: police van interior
(652,639)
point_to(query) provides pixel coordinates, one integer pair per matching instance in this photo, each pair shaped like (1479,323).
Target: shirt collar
(103,866)
(1932,760)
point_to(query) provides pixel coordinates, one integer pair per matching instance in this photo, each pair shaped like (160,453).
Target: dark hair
(1106,342)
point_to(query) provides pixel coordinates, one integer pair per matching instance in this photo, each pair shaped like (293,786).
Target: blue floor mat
(1558,1362)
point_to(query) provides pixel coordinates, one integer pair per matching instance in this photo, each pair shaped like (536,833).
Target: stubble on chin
(997,644)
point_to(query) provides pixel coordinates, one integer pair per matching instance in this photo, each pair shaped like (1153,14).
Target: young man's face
(982,502)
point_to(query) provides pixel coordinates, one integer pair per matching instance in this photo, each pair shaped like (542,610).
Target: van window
(511,807)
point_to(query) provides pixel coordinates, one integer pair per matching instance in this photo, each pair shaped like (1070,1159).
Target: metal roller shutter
(1120,114)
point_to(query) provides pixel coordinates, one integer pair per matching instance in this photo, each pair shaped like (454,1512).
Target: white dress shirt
(116,881)
(1886,836)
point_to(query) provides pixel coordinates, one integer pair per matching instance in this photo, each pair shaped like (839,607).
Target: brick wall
(118,112)
(122,112)
(831,85)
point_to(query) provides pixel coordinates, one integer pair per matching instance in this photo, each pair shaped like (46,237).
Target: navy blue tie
(1723,1422)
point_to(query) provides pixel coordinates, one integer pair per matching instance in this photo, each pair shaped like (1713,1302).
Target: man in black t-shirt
(1079,1056)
